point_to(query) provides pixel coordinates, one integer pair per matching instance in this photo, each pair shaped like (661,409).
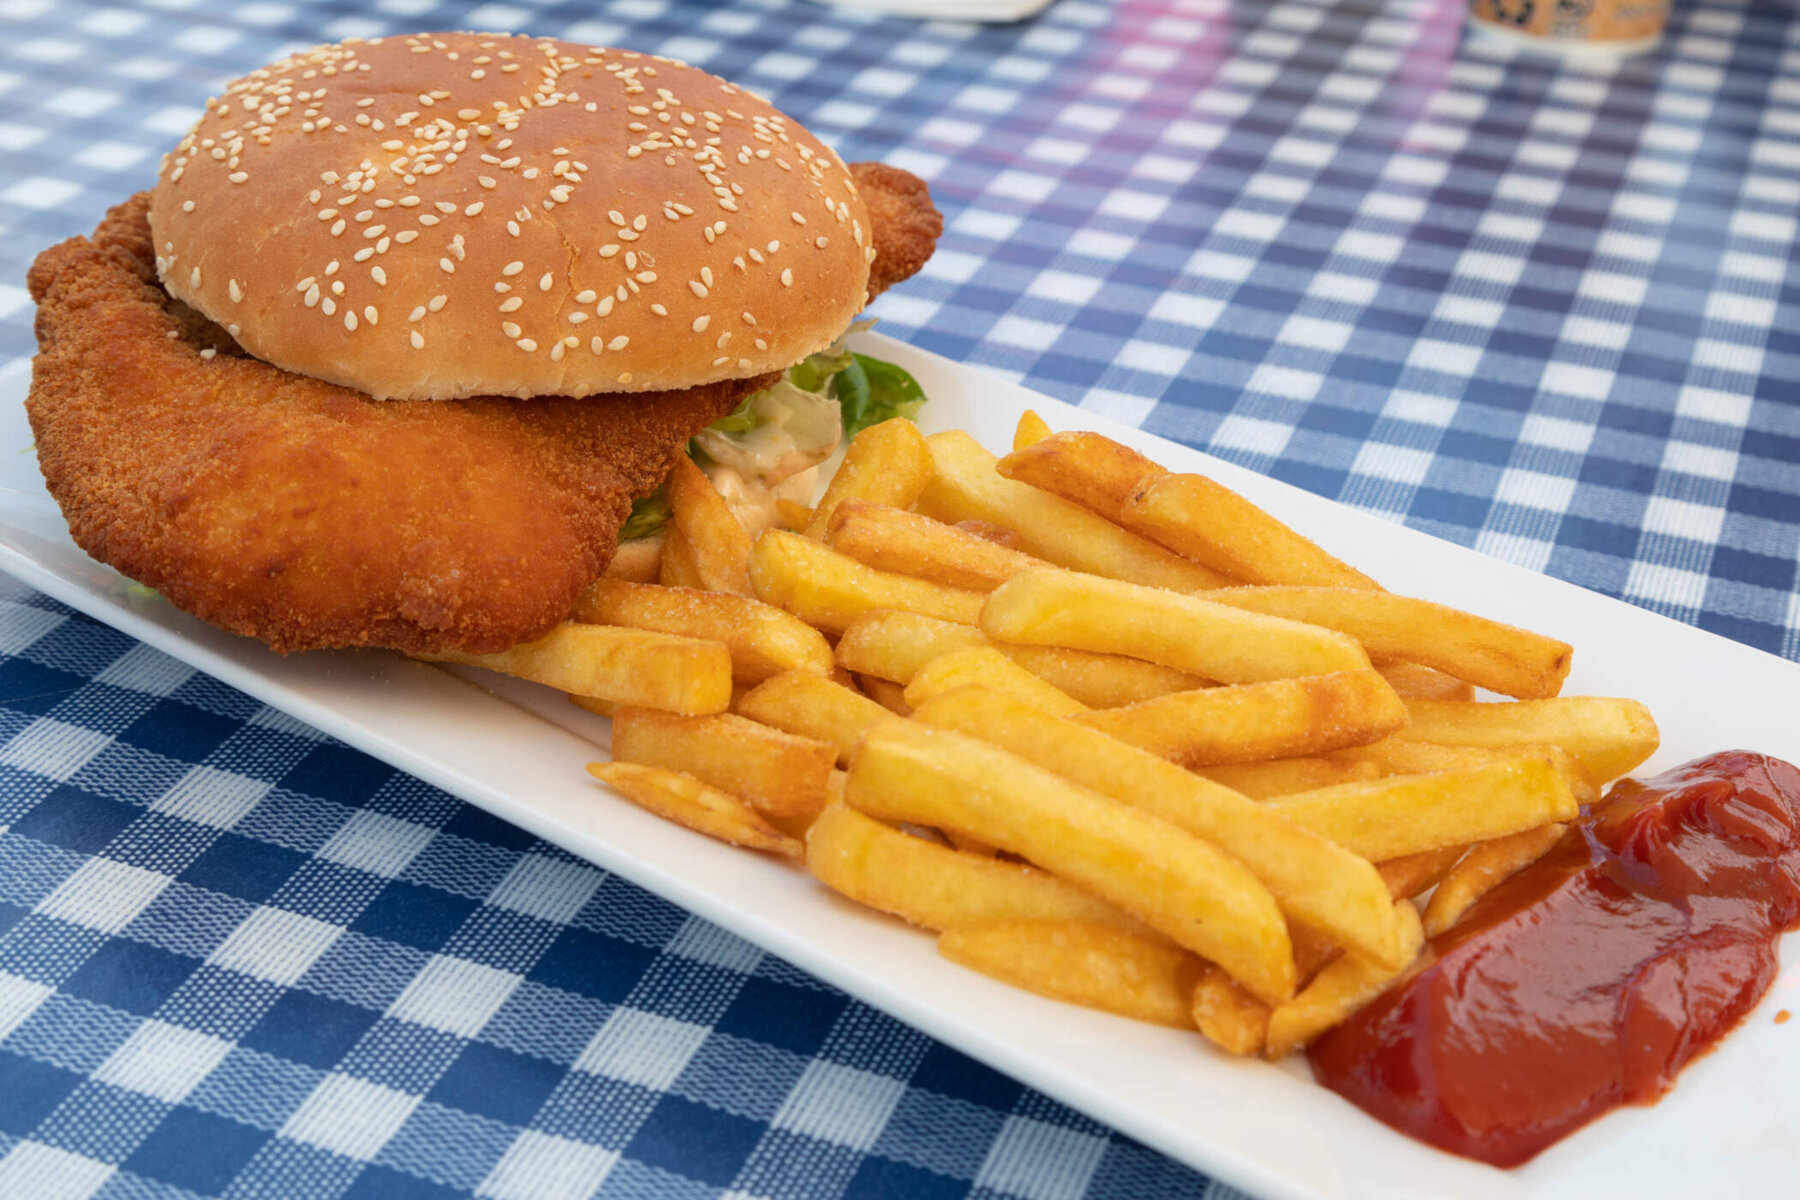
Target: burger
(408,328)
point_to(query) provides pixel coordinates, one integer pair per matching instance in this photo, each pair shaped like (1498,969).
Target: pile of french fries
(1113,733)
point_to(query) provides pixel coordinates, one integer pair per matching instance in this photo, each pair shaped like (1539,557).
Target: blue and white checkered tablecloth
(1546,310)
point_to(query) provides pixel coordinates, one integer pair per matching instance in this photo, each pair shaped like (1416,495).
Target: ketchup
(1589,979)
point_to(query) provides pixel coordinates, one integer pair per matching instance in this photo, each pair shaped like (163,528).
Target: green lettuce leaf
(648,514)
(871,391)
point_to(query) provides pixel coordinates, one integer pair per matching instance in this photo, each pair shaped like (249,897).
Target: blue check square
(76,820)
(130,975)
(196,1150)
(497,1083)
(243,867)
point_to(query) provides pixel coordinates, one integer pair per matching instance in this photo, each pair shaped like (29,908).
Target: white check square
(163,1060)
(349,1116)
(104,895)
(639,1047)
(540,1166)
(1037,1161)
(376,843)
(275,945)
(455,995)
(839,1104)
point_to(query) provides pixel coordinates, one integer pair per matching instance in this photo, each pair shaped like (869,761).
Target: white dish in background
(1731,1126)
(997,12)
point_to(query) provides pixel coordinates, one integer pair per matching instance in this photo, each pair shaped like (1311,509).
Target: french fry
(1086,612)
(1413,875)
(763,640)
(637,560)
(1285,776)
(1081,962)
(1340,989)
(1211,524)
(1231,1018)
(1031,428)
(891,539)
(1313,881)
(886,464)
(935,887)
(986,666)
(1000,535)
(794,515)
(1501,658)
(800,826)
(676,567)
(1608,736)
(1090,469)
(1254,722)
(710,529)
(625,666)
(1404,814)
(828,590)
(891,644)
(1397,756)
(813,706)
(780,774)
(1412,681)
(1484,868)
(886,693)
(966,486)
(699,806)
(1176,883)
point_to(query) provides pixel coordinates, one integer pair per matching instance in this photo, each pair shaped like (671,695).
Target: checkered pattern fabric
(1544,309)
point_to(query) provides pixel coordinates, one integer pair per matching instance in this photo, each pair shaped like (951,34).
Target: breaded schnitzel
(307,515)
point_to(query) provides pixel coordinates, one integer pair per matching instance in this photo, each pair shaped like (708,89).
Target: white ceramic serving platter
(1731,1127)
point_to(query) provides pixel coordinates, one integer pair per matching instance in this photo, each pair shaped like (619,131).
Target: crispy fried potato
(1254,722)
(1285,776)
(1081,962)
(1090,469)
(1231,1018)
(795,516)
(1174,882)
(886,464)
(886,693)
(1404,814)
(1411,681)
(1313,880)
(711,531)
(936,887)
(1413,875)
(1397,756)
(828,590)
(1484,868)
(1211,524)
(1501,658)
(676,567)
(1608,736)
(625,666)
(763,640)
(1340,989)
(1086,612)
(780,774)
(908,543)
(988,667)
(891,644)
(681,798)
(637,560)
(813,706)
(966,486)
(1031,428)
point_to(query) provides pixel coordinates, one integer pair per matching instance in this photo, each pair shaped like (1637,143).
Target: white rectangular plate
(1731,1127)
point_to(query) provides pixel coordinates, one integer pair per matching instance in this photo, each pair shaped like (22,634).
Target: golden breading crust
(306,514)
(906,225)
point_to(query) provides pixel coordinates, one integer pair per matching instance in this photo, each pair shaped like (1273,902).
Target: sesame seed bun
(447,215)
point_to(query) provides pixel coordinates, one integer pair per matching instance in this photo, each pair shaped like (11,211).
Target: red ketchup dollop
(1589,979)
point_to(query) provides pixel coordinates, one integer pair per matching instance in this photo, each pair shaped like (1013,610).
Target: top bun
(448,215)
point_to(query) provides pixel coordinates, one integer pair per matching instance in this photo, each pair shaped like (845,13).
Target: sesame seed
(576,318)
(608,250)
(194,277)
(371,315)
(698,288)
(238,176)
(237,293)
(363,255)
(187,206)
(512,268)
(448,267)
(721,360)
(604,307)
(701,322)
(512,304)
(787,278)
(437,303)
(706,276)
(527,345)
(743,364)
(474,210)
(417,339)
(312,295)
(337,227)
(545,280)
(749,319)
(349,319)
(585,297)
(405,236)
(510,329)
(207,353)
(724,338)
(417,314)
(596,344)
(486,181)
(378,275)
(659,310)
(337,287)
